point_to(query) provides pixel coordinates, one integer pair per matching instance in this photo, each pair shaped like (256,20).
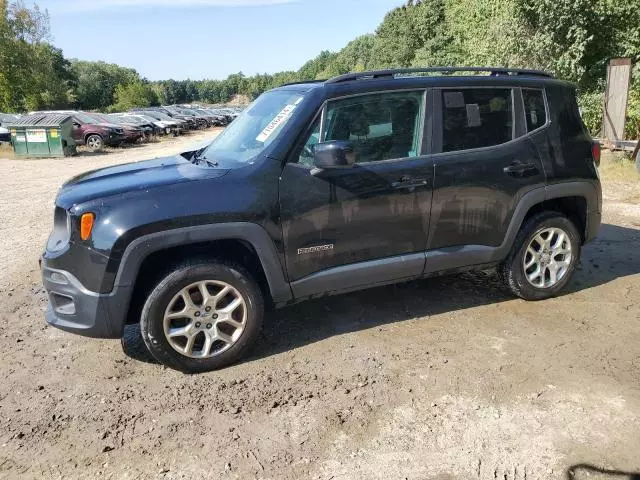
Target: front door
(367,224)
(486,163)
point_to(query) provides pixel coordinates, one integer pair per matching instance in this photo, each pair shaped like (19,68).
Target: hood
(131,178)
(109,125)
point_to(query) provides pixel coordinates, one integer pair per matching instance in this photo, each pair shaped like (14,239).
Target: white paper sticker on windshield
(280,118)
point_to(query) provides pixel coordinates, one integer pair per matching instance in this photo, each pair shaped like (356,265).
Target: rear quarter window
(535,108)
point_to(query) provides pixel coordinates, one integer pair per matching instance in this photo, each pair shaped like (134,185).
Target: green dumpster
(43,135)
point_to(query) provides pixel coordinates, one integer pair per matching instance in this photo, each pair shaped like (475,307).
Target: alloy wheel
(547,258)
(205,319)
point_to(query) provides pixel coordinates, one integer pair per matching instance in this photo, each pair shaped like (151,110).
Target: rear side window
(476,117)
(534,108)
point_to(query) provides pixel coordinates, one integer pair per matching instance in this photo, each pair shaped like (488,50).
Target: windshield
(84,118)
(146,118)
(255,129)
(159,115)
(126,120)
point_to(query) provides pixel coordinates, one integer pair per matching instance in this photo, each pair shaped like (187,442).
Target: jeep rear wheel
(543,258)
(202,316)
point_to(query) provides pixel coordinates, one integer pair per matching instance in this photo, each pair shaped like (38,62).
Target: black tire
(512,271)
(94,143)
(151,322)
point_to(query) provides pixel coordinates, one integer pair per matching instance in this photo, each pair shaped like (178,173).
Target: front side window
(380,126)
(534,108)
(476,118)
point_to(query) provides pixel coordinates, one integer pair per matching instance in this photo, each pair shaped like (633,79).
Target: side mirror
(334,154)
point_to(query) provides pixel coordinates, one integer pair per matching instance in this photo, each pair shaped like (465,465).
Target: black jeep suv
(326,187)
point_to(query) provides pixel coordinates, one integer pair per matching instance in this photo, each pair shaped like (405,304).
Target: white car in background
(5,136)
(167,126)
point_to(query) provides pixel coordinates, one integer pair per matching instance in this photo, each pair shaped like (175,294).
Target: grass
(618,166)
(6,151)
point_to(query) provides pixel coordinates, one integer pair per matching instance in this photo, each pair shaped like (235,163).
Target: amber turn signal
(86,225)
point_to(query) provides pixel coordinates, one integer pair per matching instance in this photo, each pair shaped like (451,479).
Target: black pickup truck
(326,187)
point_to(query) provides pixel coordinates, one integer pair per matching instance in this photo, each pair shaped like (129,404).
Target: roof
(41,120)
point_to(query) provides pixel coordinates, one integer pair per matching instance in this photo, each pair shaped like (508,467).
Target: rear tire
(190,324)
(543,258)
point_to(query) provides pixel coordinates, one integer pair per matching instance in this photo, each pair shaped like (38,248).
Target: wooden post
(615,100)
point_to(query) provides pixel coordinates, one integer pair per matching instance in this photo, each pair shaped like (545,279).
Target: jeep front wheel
(543,258)
(202,317)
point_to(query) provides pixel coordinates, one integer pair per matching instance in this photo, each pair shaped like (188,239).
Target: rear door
(484,163)
(367,224)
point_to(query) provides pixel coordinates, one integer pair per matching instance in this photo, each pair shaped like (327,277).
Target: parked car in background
(149,129)
(94,133)
(6,119)
(5,135)
(165,126)
(132,134)
(162,116)
(176,113)
(216,120)
(191,122)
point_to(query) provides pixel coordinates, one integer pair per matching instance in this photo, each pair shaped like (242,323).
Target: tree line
(574,39)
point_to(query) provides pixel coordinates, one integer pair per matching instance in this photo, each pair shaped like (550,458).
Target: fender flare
(585,189)
(138,250)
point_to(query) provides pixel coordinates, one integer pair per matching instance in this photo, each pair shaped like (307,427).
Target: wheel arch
(579,201)
(147,258)
(91,134)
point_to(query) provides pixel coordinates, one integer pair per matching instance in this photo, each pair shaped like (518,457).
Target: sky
(200,39)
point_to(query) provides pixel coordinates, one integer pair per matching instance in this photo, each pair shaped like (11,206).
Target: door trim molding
(360,275)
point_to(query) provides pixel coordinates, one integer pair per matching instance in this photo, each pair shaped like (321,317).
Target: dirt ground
(445,378)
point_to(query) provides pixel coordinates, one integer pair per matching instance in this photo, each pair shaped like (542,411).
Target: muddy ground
(445,378)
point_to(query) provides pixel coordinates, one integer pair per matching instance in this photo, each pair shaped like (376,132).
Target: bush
(591,109)
(632,127)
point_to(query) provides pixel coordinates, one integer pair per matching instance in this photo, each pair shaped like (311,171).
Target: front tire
(202,317)
(95,143)
(543,258)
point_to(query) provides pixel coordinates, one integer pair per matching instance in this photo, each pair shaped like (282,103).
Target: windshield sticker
(280,118)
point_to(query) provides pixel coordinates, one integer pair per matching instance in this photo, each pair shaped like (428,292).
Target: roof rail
(301,82)
(391,73)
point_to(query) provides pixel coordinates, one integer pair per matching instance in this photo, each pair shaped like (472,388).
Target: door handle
(409,182)
(520,169)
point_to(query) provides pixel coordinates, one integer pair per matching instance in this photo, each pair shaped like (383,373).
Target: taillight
(595,152)
(86,225)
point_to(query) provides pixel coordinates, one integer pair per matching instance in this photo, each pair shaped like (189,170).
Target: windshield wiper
(197,159)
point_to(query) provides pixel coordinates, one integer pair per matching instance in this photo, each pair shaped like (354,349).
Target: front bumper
(114,140)
(75,309)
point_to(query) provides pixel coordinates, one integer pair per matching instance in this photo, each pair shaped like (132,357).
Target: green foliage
(591,108)
(632,127)
(135,94)
(33,74)
(97,82)
(575,39)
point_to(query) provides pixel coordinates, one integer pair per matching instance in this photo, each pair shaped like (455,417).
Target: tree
(135,94)
(33,74)
(97,82)
(396,41)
